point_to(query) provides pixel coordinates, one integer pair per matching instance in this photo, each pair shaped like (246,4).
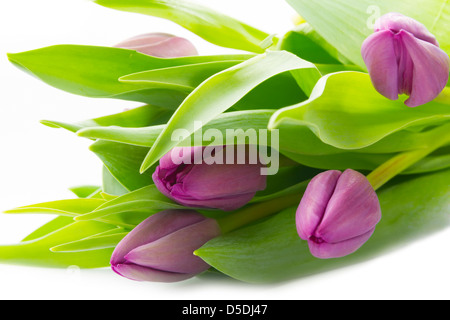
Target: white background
(38,164)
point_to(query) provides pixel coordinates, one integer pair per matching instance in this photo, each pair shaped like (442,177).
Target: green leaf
(223,90)
(146,136)
(147,199)
(123,162)
(69,208)
(36,252)
(138,117)
(212,26)
(345,24)
(333,68)
(110,184)
(62,221)
(298,188)
(92,243)
(431,163)
(108,196)
(366,161)
(51,226)
(288,180)
(274,93)
(76,207)
(186,77)
(87,191)
(311,151)
(271,251)
(95,71)
(346,112)
(306,43)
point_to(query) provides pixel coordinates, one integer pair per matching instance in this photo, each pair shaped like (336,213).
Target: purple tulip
(161,248)
(160,45)
(338,213)
(216,186)
(403,57)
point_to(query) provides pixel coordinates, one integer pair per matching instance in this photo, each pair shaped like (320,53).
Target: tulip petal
(160,45)
(314,202)
(430,69)
(353,209)
(144,39)
(379,54)
(153,228)
(327,250)
(397,22)
(219,180)
(138,273)
(230,203)
(208,185)
(180,155)
(170,48)
(174,252)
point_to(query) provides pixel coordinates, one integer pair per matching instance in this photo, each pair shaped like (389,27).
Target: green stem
(391,168)
(257,211)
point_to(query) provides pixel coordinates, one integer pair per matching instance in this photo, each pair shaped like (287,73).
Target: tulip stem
(394,166)
(257,211)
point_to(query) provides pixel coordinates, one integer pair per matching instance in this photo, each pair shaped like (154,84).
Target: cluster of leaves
(310,85)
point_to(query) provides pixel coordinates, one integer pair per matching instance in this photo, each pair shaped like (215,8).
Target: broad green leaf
(186,77)
(346,23)
(91,243)
(146,136)
(223,90)
(340,161)
(147,199)
(76,207)
(62,221)
(69,208)
(298,188)
(271,251)
(431,163)
(306,43)
(276,92)
(142,137)
(95,71)
(108,196)
(212,26)
(333,68)
(281,183)
(36,252)
(51,226)
(110,184)
(138,117)
(346,112)
(87,191)
(311,145)
(123,162)
(128,220)
(366,161)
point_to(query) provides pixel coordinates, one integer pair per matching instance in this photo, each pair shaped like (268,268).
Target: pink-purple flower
(204,184)
(403,57)
(338,213)
(160,45)
(160,249)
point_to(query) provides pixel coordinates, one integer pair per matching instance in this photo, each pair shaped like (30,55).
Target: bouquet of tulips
(300,153)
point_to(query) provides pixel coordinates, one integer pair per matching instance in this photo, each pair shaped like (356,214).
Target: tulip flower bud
(207,184)
(160,45)
(338,213)
(403,57)
(161,248)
